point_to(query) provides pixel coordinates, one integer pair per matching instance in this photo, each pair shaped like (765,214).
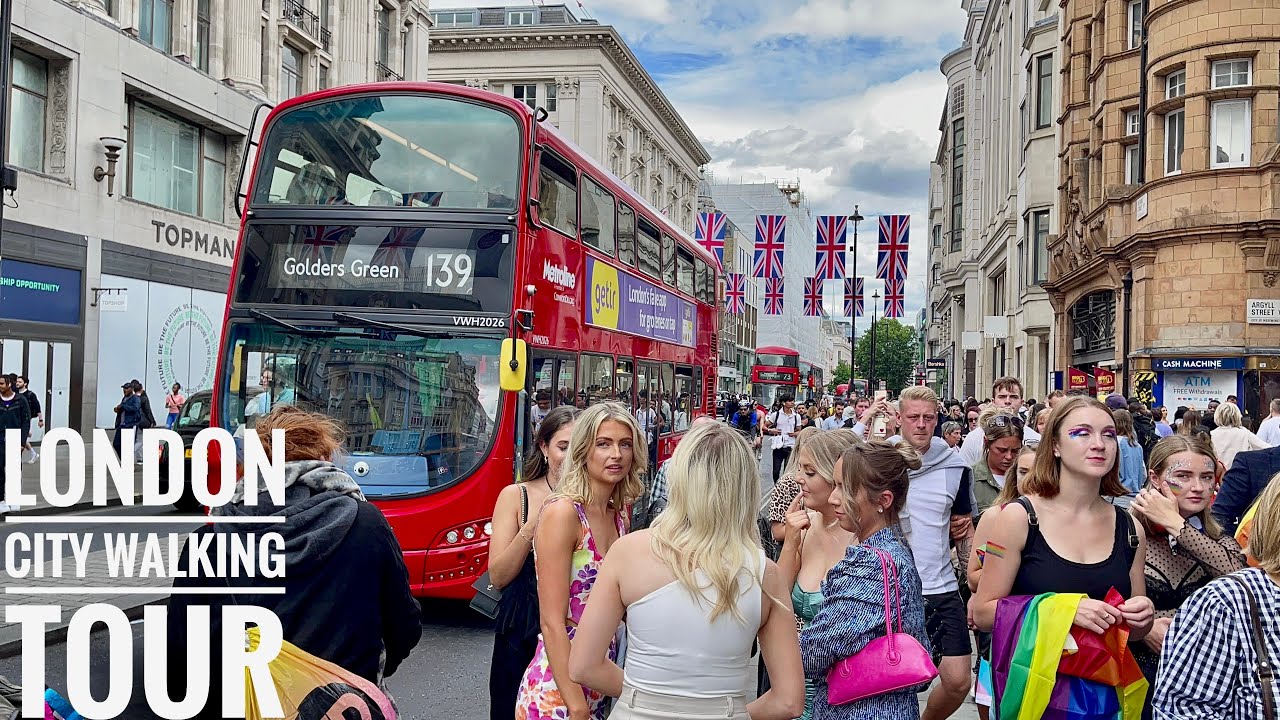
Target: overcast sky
(844,95)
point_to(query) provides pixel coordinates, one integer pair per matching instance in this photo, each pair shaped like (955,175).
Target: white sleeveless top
(673,647)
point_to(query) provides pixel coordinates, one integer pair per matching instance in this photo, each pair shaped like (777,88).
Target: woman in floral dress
(601,476)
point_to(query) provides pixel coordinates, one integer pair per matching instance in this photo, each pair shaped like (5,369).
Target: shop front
(42,318)
(1191,382)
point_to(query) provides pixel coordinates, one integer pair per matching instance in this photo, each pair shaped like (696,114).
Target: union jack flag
(773,296)
(853,297)
(710,230)
(320,241)
(398,247)
(894,305)
(894,234)
(735,294)
(831,247)
(771,231)
(813,297)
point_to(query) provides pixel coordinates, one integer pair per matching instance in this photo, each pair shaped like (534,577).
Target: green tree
(839,376)
(896,354)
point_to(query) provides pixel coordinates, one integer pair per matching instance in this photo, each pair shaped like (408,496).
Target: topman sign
(192,241)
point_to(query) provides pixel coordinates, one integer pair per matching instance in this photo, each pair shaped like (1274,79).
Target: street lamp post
(856,217)
(871,374)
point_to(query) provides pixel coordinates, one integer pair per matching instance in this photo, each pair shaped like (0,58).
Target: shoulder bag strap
(1264,669)
(524,504)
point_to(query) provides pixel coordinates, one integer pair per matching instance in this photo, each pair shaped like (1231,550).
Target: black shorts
(948,626)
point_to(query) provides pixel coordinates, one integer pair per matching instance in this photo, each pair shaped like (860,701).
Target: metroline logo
(559,275)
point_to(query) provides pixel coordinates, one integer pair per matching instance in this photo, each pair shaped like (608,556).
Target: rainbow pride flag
(1043,667)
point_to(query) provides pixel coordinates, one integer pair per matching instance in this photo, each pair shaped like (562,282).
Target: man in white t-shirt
(1269,430)
(1006,392)
(781,424)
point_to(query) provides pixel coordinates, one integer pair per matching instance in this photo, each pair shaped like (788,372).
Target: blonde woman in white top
(1230,437)
(696,591)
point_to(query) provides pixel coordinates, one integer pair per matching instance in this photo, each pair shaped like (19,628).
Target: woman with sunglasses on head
(868,499)
(1064,537)
(511,564)
(1002,430)
(1186,548)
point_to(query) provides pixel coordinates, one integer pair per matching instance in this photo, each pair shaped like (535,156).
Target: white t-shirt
(1269,431)
(998,480)
(927,522)
(784,423)
(971,450)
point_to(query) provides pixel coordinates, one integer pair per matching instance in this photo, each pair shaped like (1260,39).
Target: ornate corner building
(1165,262)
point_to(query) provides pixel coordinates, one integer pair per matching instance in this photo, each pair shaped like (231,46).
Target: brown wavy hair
(307,435)
(1045,476)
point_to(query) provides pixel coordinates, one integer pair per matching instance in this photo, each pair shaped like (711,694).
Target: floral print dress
(539,698)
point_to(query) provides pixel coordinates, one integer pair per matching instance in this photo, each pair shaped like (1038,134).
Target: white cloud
(914,21)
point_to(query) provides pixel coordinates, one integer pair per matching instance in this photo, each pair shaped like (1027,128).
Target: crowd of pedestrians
(935,512)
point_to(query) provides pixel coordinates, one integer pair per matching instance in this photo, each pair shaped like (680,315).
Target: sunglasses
(1031,444)
(1006,421)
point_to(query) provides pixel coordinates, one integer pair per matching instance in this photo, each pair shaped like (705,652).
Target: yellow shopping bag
(1242,533)
(314,689)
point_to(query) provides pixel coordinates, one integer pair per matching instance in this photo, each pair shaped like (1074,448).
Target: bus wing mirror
(511,364)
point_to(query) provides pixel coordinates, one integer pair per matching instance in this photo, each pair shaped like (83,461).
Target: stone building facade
(591,85)
(991,203)
(1170,201)
(127,131)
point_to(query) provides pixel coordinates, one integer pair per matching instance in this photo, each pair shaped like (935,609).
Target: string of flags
(831,249)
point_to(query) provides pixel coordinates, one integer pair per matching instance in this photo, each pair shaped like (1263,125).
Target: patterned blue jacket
(852,615)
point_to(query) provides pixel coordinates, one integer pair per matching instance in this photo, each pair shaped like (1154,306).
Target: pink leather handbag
(893,662)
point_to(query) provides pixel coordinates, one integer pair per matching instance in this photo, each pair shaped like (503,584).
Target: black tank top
(1043,571)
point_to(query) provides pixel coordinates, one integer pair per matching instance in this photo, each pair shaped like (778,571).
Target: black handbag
(488,597)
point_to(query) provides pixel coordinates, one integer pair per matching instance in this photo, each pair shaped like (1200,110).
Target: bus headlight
(488,529)
(451,537)
(469,532)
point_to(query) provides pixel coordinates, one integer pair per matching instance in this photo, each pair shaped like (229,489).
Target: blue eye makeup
(1078,433)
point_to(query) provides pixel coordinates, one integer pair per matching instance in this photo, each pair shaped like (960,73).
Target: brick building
(1170,198)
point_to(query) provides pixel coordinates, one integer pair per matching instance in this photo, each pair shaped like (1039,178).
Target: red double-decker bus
(429,264)
(775,371)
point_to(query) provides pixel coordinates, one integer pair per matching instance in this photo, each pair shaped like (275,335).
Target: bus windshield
(420,412)
(772,360)
(414,151)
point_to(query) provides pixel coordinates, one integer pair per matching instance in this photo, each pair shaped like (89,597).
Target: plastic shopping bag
(314,689)
(1242,533)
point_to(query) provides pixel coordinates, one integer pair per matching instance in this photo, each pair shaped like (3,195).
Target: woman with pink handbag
(867,651)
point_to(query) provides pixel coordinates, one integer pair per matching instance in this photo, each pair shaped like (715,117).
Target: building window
(1132,123)
(265,65)
(937,235)
(522,17)
(322,77)
(1040,226)
(29,96)
(1131,164)
(551,97)
(155,23)
(1044,91)
(1232,73)
(290,72)
(384,36)
(213,177)
(175,164)
(1174,143)
(1232,133)
(202,34)
(454,19)
(1137,9)
(957,185)
(1175,85)
(1022,264)
(527,93)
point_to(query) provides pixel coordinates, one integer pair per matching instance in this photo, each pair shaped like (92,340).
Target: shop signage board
(1262,312)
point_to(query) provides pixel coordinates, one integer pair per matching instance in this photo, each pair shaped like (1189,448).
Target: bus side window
(566,384)
(597,216)
(699,392)
(668,260)
(596,379)
(668,407)
(626,235)
(624,383)
(558,195)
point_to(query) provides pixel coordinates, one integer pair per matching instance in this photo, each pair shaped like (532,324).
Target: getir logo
(559,275)
(603,303)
